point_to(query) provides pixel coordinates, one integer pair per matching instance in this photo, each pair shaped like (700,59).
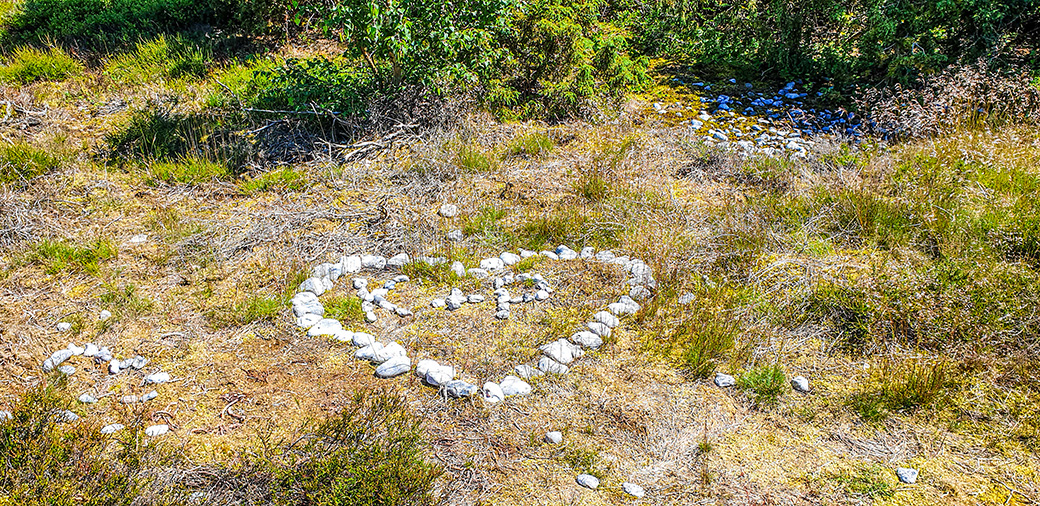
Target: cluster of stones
(100,355)
(391,359)
(771,124)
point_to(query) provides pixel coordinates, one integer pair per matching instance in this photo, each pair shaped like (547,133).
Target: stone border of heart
(391,359)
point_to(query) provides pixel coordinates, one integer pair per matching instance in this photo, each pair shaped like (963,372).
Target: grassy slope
(628,412)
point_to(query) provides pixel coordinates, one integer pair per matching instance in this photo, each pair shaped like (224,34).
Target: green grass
(592,187)
(345,309)
(61,257)
(440,273)
(586,461)
(472,159)
(258,308)
(903,387)
(279,180)
(702,340)
(27,65)
(159,59)
(763,384)
(486,222)
(190,171)
(125,301)
(21,162)
(870,481)
(531,144)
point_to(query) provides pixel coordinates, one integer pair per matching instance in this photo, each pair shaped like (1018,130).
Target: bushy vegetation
(27,65)
(370,453)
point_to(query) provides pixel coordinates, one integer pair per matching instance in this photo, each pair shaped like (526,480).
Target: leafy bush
(21,162)
(110,24)
(161,58)
(59,256)
(27,65)
(764,384)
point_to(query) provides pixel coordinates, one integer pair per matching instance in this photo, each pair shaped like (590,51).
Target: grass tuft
(345,309)
(472,159)
(27,65)
(160,58)
(763,384)
(530,145)
(191,170)
(279,180)
(59,256)
(21,162)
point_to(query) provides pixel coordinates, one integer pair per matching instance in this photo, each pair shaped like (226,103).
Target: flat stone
(112,428)
(527,372)
(157,378)
(551,255)
(86,399)
(562,351)
(454,302)
(439,375)
(493,393)
(458,269)
(394,349)
(511,385)
(350,264)
(63,327)
(438,303)
(587,339)
(138,362)
(104,315)
(313,285)
(458,389)
(639,292)
(149,396)
(67,370)
(606,318)
(524,253)
(456,235)
(306,303)
(800,384)
(568,255)
(541,295)
(550,366)
(398,261)
(633,490)
(907,475)
(502,314)
(475,298)
(588,481)
(359,283)
(56,359)
(510,258)
(448,210)
(308,320)
(90,350)
(157,430)
(66,416)
(325,327)
(605,256)
(492,264)
(370,317)
(368,352)
(423,366)
(395,366)
(724,380)
(375,262)
(587,252)
(343,336)
(403,312)
(129,399)
(554,437)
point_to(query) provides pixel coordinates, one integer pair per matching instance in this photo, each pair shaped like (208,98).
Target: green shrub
(278,180)
(486,222)
(58,256)
(370,453)
(902,388)
(191,170)
(21,162)
(27,65)
(592,187)
(440,273)
(160,58)
(763,384)
(870,481)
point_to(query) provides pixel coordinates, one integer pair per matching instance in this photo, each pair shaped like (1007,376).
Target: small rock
(395,366)
(439,375)
(402,312)
(104,315)
(5,415)
(374,262)
(607,319)
(448,210)
(138,362)
(800,384)
(907,475)
(157,378)
(90,350)
(511,385)
(370,317)
(588,481)
(458,389)
(502,314)
(87,399)
(587,339)
(492,264)
(550,255)
(605,256)
(554,437)
(599,329)
(475,298)
(359,283)
(157,430)
(541,295)
(458,269)
(639,292)
(350,264)
(56,359)
(139,239)
(478,273)
(550,366)
(455,235)
(112,428)
(66,416)
(493,393)
(438,303)
(633,490)
(394,349)
(509,258)
(325,327)
(398,261)
(362,339)
(128,399)
(527,372)
(424,366)
(562,351)
(63,326)
(67,370)
(149,396)
(724,380)
(587,252)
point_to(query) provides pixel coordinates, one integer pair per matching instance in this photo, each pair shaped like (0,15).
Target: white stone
(588,481)
(458,269)
(373,262)
(439,375)
(325,327)
(599,329)
(308,320)
(527,372)
(313,285)
(606,318)
(387,352)
(541,295)
(587,339)
(104,315)
(550,366)
(605,256)
(493,393)
(395,366)
(149,396)
(370,317)
(398,260)
(63,327)
(66,416)
(509,258)
(307,303)
(724,380)
(87,399)
(527,253)
(800,384)
(562,351)
(139,239)
(343,336)
(502,314)
(403,312)
(475,298)
(90,350)
(423,366)
(492,264)
(359,283)
(633,490)
(639,292)
(157,430)
(907,475)
(56,359)
(554,437)
(456,236)
(587,252)
(550,255)
(112,428)
(437,303)
(454,302)
(157,378)
(512,385)
(457,389)
(448,210)
(368,352)
(363,339)
(67,370)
